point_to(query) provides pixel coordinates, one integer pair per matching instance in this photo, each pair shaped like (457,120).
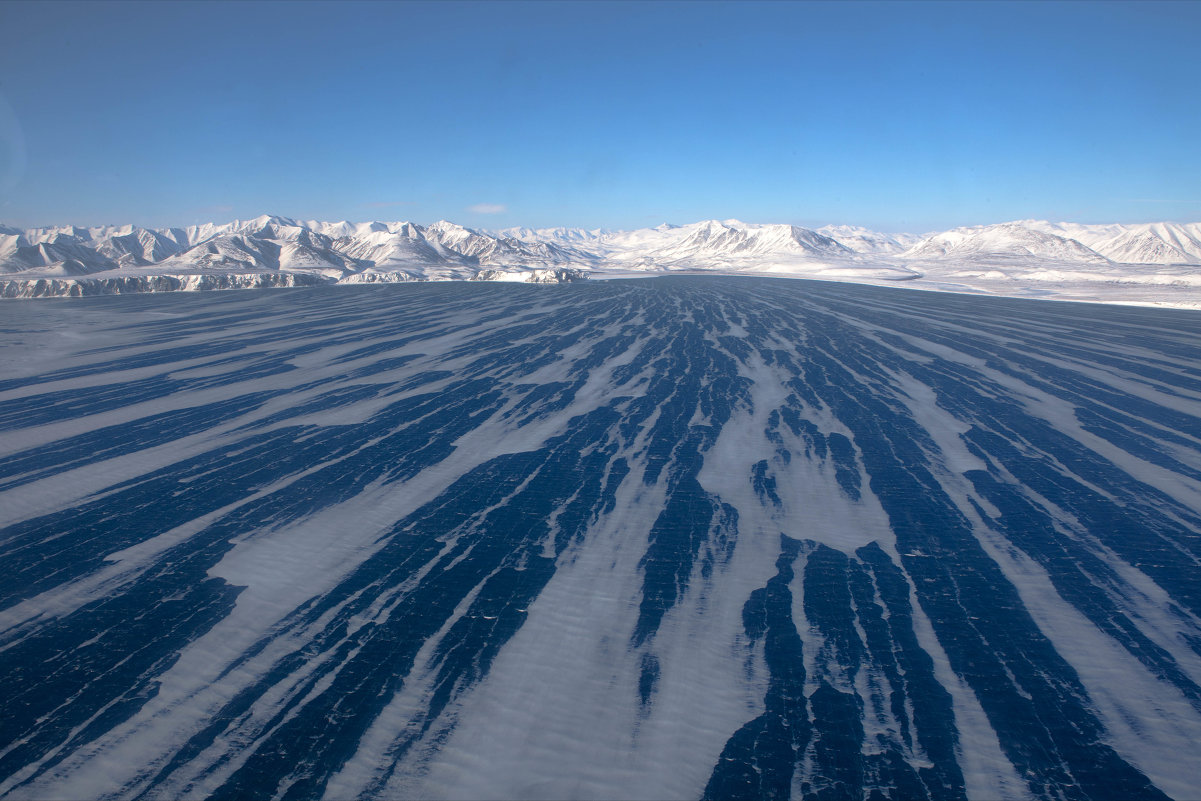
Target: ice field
(686,537)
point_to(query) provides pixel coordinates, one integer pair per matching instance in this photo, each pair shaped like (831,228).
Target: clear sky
(897,116)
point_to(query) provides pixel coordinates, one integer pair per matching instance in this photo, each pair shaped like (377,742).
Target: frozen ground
(674,538)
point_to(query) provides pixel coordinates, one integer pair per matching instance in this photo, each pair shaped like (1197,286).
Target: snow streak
(671,538)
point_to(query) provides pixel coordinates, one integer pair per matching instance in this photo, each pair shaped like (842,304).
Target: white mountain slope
(712,243)
(862,240)
(139,247)
(1142,247)
(1005,241)
(58,253)
(273,243)
(563,237)
(387,245)
(1184,236)
(1087,235)
(447,249)
(692,246)
(10,240)
(737,239)
(234,252)
(1147,243)
(482,248)
(1154,243)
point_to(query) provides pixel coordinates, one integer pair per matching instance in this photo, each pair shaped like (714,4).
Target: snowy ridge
(1004,241)
(1156,243)
(1150,263)
(729,239)
(862,240)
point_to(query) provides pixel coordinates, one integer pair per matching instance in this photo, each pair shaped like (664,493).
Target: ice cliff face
(83,287)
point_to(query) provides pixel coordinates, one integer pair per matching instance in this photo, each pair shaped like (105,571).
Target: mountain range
(286,251)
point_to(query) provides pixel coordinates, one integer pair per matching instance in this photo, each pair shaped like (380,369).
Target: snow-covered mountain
(560,236)
(1085,234)
(1003,241)
(862,240)
(1147,243)
(271,243)
(1142,247)
(736,239)
(1154,243)
(1005,258)
(695,245)
(57,253)
(140,247)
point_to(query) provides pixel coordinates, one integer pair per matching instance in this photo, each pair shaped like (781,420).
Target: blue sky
(896,116)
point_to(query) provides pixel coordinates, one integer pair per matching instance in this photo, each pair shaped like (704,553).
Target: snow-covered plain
(682,537)
(1152,264)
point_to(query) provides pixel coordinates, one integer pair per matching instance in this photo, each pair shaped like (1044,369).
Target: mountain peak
(274,219)
(447,226)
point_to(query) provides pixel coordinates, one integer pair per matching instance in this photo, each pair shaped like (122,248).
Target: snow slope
(1002,241)
(862,240)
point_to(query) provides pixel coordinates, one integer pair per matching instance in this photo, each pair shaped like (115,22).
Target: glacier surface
(685,537)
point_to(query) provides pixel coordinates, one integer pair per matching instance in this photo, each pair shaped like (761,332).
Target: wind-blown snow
(675,538)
